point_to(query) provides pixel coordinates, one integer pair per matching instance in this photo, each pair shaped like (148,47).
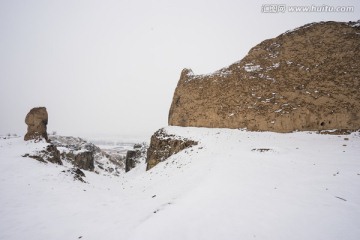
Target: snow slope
(233,185)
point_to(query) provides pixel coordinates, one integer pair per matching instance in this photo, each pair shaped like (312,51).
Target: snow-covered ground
(233,185)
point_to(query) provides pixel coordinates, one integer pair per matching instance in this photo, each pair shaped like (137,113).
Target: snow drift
(233,185)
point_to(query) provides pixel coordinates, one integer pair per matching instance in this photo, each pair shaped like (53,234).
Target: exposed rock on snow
(136,156)
(85,160)
(130,160)
(163,145)
(77,153)
(48,154)
(261,149)
(76,173)
(87,156)
(306,79)
(36,120)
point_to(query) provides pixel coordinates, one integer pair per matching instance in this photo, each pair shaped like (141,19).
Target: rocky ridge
(76,152)
(304,79)
(87,156)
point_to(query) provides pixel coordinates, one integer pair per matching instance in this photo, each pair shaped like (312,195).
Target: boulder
(84,160)
(36,120)
(53,154)
(164,145)
(130,160)
(307,79)
(136,156)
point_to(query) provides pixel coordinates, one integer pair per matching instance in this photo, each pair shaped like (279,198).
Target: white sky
(111,66)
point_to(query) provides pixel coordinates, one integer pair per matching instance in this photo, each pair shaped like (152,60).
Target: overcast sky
(111,66)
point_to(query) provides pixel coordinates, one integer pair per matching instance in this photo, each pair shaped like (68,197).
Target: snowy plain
(233,185)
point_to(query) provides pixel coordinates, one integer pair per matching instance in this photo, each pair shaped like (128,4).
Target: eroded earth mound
(304,79)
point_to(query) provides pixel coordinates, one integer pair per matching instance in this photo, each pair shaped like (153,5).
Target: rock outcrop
(305,79)
(76,151)
(36,120)
(135,156)
(130,160)
(87,156)
(48,154)
(84,160)
(77,174)
(163,145)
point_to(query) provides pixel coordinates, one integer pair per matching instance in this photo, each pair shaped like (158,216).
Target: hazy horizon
(111,67)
